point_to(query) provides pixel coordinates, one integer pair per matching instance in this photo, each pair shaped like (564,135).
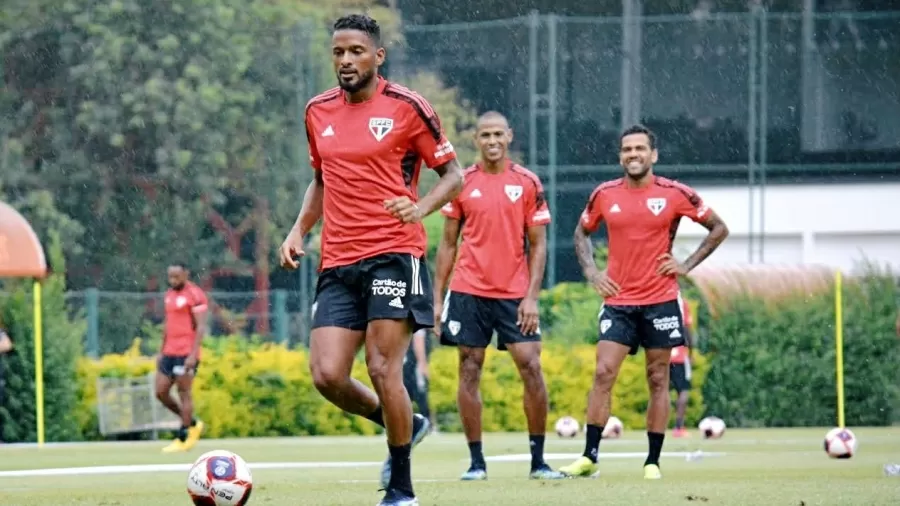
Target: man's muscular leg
(658,410)
(527,357)
(468,398)
(610,356)
(386,345)
(164,393)
(331,354)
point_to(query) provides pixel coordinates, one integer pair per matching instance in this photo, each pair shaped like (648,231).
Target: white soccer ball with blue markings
(840,443)
(220,478)
(712,427)
(567,427)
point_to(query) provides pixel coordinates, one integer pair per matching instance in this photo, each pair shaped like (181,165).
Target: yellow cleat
(175,446)
(582,467)
(193,436)
(652,472)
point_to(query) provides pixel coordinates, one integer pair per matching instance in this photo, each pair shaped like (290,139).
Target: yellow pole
(38,363)
(839,345)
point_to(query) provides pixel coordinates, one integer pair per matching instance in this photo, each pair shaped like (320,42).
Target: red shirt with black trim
(367,153)
(182,306)
(641,224)
(496,211)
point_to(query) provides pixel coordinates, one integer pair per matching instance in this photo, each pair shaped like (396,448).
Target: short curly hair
(362,23)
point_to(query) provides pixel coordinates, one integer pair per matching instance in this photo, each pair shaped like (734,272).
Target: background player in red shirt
(185,326)
(640,286)
(367,140)
(494,288)
(680,370)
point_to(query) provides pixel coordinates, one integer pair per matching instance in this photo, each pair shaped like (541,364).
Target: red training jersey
(680,353)
(181,308)
(496,211)
(367,153)
(641,223)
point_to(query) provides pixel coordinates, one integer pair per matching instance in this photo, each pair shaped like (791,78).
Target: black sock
(592,441)
(182,434)
(476,455)
(401,472)
(655,439)
(536,445)
(377,416)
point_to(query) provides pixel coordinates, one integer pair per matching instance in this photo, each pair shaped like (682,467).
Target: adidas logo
(397,303)
(675,334)
(328,132)
(615,209)
(475,194)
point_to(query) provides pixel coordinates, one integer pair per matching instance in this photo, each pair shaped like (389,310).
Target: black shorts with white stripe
(392,286)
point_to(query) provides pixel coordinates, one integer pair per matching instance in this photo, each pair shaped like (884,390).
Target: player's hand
(190,363)
(668,266)
(528,316)
(403,209)
(604,286)
(438,312)
(290,250)
(422,369)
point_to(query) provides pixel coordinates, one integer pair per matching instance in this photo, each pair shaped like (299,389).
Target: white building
(833,225)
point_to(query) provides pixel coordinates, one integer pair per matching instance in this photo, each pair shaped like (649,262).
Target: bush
(246,389)
(773,363)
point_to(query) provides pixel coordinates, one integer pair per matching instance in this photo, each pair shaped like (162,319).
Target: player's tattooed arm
(584,251)
(446,189)
(718,232)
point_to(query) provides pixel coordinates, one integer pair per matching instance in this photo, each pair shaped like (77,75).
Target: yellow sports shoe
(581,467)
(193,435)
(652,472)
(175,446)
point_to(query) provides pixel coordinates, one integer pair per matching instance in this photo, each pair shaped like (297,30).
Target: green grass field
(747,467)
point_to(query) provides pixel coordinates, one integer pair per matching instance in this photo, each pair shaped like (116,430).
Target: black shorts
(651,326)
(678,379)
(470,320)
(393,286)
(173,366)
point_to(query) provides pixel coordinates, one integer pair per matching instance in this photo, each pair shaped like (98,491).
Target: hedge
(245,389)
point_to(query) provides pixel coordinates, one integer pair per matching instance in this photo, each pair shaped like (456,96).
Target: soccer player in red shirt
(367,140)
(680,371)
(185,326)
(640,285)
(494,287)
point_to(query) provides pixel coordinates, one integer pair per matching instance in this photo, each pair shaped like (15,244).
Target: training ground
(747,467)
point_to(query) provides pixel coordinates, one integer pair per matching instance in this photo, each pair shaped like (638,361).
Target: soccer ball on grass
(219,478)
(613,428)
(840,443)
(712,427)
(567,427)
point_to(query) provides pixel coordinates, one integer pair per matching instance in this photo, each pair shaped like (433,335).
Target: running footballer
(495,286)
(367,140)
(641,306)
(185,326)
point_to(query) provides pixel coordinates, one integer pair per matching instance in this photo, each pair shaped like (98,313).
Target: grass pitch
(747,467)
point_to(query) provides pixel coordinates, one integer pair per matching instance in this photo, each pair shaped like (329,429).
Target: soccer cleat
(421,426)
(396,498)
(680,433)
(175,446)
(546,473)
(583,467)
(474,474)
(652,472)
(193,436)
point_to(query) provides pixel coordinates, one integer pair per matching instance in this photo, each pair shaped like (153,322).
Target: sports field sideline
(746,467)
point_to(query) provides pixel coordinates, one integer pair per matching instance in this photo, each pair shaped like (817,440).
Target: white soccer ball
(712,427)
(567,427)
(840,443)
(219,478)
(613,428)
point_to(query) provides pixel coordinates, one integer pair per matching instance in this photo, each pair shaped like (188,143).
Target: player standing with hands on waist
(367,139)
(640,287)
(500,207)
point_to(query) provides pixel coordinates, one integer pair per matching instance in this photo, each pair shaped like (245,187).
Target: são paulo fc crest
(380,127)
(656,205)
(454,327)
(514,192)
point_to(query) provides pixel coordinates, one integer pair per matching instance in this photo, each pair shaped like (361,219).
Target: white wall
(834,225)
